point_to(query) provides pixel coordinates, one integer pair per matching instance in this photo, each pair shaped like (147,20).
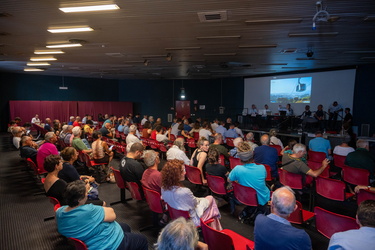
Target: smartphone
(110,148)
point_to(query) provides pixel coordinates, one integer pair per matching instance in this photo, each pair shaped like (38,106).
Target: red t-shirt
(151,179)
(153,135)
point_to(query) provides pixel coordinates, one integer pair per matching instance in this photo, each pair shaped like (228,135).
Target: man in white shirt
(35,120)
(177,151)
(144,120)
(131,138)
(215,124)
(174,130)
(204,132)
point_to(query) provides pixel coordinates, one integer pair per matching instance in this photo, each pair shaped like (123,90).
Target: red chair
(356,176)
(33,166)
(78,244)
(175,213)
(234,162)
(224,239)
(328,223)
(278,148)
(316,165)
(316,156)
(245,195)
(134,191)
(294,181)
(121,185)
(300,216)
(365,195)
(196,136)
(172,137)
(56,205)
(154,144)
(268,170)
(194,175)
(332,189)
(229,141)
(156,205)
(339,160)
(216,184)
(221,160)
(191,143)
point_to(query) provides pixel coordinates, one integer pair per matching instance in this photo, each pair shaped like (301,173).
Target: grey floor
(22,212)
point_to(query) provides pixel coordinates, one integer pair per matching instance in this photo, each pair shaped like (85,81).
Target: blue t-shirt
(252,175)
(231,133)
(86,223)
(319,144)
(267,155)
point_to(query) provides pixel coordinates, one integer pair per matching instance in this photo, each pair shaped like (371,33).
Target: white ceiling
(141,29)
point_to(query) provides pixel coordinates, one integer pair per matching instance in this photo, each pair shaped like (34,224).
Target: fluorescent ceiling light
(33,69)
(38,64)
(313,34)
(66,30)
(41,59)
(67,45)
(217,37)
(48,52)
(90,8)
(257,46)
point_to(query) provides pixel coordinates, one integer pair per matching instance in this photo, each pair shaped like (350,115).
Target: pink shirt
(45,150)
(151,179)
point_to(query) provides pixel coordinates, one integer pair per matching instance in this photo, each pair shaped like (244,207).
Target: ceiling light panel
(68,30)
(41,59)
(67,45)
(90,8)
(38,64)
(48,52)
(33,69)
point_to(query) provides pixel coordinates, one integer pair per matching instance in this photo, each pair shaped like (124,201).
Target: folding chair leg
(122,198)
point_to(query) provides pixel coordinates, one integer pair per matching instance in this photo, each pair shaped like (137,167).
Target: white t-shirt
(343,151)
(204,133)
(35,120)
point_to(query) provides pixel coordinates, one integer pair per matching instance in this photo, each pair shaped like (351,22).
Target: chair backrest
(154,144)
(216,239)
(118,177)
(78,244)
(328,223)
(196,136)
(221,160)
(365,195)
(175,213)
(356,176)
(316,165)
(245,195)
(277,147)
(296,217)
(193,174)
(229,141)
(294,181)
(55,202)
(191,143)
(172,137)
(154,200)
(330,188)
(216,184)
(339,160)
(32,165)
(268,170)
(134,191)
(234,162)
(316,156)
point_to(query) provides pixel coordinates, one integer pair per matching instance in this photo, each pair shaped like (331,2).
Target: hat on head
(245,156)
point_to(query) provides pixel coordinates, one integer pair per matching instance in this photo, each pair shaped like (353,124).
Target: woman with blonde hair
(274,140)
(179,197)
(199,157)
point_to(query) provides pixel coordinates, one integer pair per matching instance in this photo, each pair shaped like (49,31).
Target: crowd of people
(79,196)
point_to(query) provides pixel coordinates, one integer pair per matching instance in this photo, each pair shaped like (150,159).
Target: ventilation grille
(212,16)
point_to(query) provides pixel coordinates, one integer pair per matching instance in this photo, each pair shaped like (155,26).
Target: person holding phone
(100,151)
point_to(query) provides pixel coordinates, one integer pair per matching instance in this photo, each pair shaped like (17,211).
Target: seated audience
(182,131)
(187,127)
(47,125)
(78,143)
(157,123)
(231,132)
(267,155)
(151,177)
(251,175)
(17,133)
(146,131)
(238,130)
(53,185)
(180,234)
(196,128)
(215,125)
(233,151)
(293,162)
(131,169)
(106,130)
(175,126)
(77,122)
(68,134)
(319,144)
(199,157)
(220,129)
(131,138)
(35,120)
(94,225)
(205,131)
(250,140)
(88,127)
(213,167)
(362,158)
(177,151)
(181,198)
(29,148)
(160,135)
(283,203)
(218,145)
(362,238)
(47,148)
(100,150)
(71,120)
(274,140)
(56,127)
(343,149)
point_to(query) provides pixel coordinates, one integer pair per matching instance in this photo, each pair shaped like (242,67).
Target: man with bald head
(283,203)
(266,154)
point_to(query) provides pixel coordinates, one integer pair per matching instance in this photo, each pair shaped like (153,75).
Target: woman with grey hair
(274,140)
(179,234)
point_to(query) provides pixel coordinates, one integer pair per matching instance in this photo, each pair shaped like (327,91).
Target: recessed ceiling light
(38,64)
(67,45)
(33,69)
(48,52)
(66,30)
(41,59)
(90,8)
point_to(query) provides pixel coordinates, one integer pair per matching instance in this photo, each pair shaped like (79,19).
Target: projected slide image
(291,90)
